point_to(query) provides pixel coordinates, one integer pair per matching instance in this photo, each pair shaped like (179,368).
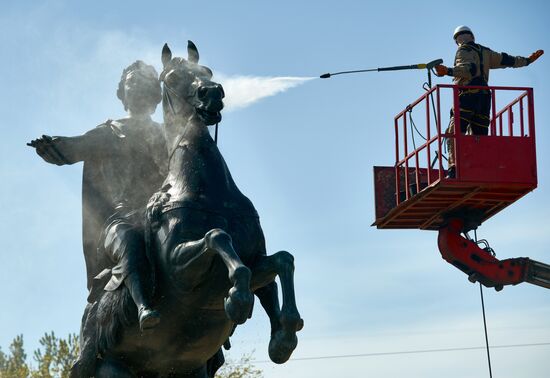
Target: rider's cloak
(124,164)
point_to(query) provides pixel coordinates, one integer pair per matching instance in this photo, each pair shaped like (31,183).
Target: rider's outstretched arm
(69,150)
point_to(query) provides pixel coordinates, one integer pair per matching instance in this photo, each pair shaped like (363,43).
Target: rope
(484,322)
(427,87)
(485,328)
(413,125)
(437,156)
(411,122)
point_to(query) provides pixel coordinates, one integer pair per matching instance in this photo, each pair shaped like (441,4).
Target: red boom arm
(480,264)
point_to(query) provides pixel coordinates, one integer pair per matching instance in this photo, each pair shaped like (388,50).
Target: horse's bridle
(172,91)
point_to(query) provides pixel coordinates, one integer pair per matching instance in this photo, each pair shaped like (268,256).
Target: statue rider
(124,164)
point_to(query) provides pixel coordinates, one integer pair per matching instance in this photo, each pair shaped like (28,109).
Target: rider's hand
(441,70)
(46,150)
(534,56)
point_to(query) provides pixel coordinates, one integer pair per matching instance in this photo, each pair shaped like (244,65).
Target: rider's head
(139,88)
(463,34)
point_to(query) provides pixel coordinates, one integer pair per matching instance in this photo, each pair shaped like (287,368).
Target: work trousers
(474,118)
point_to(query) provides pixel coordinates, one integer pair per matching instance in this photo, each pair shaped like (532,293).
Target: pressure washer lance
(428,66)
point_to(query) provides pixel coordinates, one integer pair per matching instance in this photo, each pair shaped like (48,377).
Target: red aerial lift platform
(491,172)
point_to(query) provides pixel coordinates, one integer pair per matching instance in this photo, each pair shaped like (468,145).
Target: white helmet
(462,29)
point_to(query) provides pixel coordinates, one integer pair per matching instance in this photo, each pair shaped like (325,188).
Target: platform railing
(417,167)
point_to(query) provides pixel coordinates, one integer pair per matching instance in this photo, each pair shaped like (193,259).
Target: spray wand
(428,66)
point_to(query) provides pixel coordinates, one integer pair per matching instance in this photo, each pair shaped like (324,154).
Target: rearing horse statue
(207,246)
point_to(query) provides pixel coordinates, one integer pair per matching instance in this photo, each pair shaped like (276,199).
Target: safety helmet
(462,29)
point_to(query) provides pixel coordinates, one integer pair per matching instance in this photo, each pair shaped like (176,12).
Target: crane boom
(482,266)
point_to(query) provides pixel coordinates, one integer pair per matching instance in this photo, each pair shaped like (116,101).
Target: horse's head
(188,88)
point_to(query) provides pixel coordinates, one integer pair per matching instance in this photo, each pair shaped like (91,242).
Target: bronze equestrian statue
(204,240)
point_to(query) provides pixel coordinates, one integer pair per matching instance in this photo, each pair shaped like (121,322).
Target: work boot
(451,173)
(140,293)
(148,318)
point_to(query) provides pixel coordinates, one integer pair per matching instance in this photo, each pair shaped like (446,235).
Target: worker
(471,67)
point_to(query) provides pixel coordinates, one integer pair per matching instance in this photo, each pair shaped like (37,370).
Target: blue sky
(304,157)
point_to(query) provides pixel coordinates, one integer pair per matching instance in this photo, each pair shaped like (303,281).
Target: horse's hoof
(238,305)
(281,346)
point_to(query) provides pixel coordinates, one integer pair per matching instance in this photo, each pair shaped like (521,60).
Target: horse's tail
(102,325)
(115,311)
(85,363)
